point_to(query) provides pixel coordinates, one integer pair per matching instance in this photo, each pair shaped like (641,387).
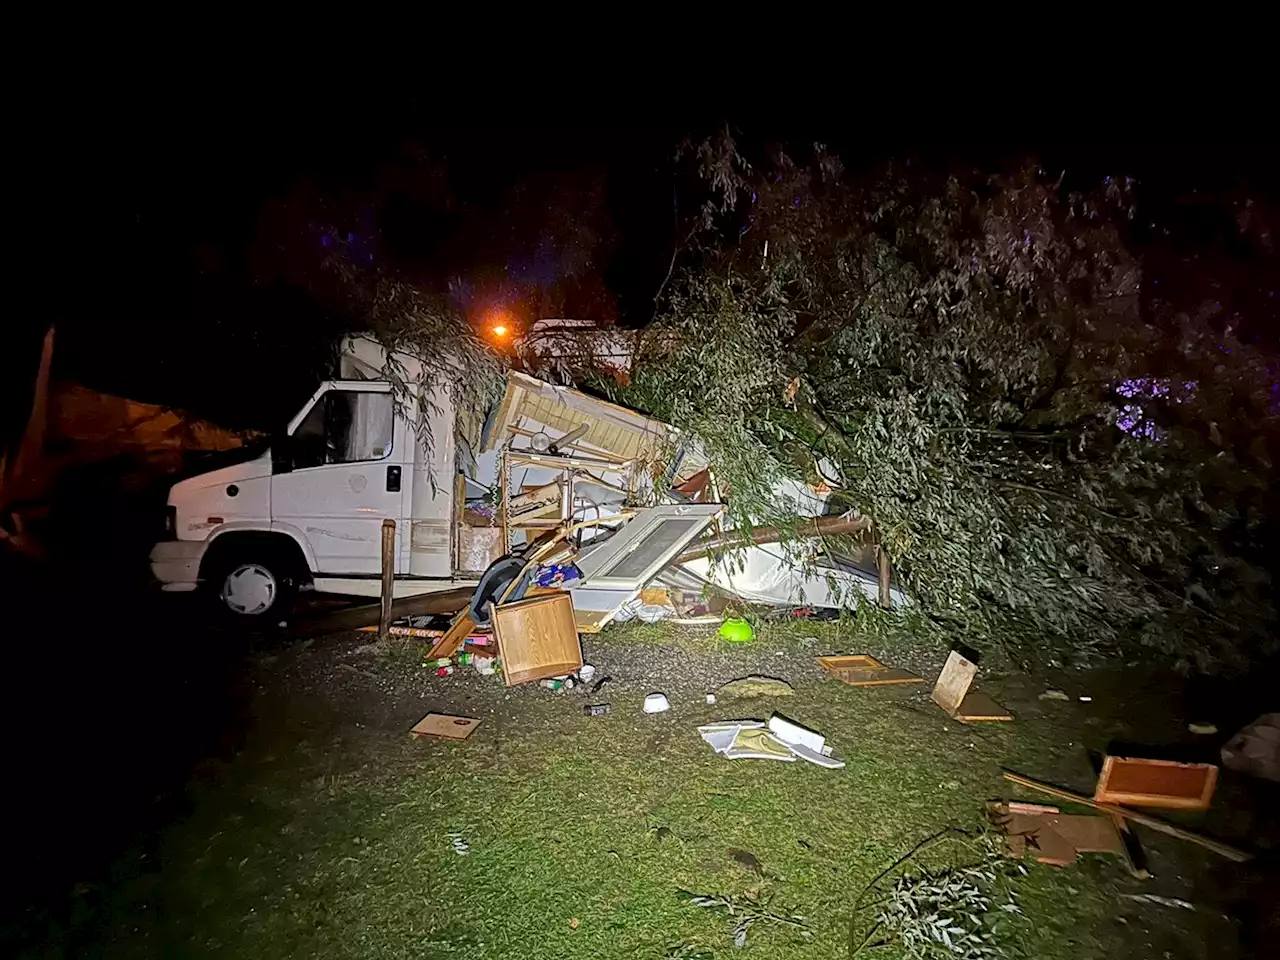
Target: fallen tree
(1046,453)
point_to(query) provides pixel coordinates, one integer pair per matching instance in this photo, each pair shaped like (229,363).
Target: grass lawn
(329,835)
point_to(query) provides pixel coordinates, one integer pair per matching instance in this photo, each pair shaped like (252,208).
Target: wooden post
(388,577)
(884,573)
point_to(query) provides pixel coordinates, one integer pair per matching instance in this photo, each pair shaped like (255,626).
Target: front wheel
(252,589)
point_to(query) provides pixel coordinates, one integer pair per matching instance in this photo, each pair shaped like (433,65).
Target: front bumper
(176,564)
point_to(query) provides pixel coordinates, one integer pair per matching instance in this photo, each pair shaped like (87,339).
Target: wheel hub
(249,589)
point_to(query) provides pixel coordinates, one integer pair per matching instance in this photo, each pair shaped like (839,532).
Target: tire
(251,585)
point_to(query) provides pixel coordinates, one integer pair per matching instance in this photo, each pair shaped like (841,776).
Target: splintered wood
(864,671)
(1139,782)
(1051,837)
(951,693)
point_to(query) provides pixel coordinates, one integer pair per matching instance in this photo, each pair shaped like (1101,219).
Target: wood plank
(953,683)
(444,725)
(977,707)
(537,638)
(1139,782)
(864,671)
(1135,858)
(461,628)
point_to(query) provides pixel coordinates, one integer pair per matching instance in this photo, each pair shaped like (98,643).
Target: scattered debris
(742,911)
(538,638)
(597,710)
(951,693)
(865,671)
(1255,750)
(595,687)
(1055,695)
(460,846)
(782,739)
(586,673)
(656,703)
(1163,901)
(756,685)
(711,698)
(737,631)
(1202,729)
(1155,823)
(444,725)
(1052,837)
(398,631)
(485,666)
(1156,783)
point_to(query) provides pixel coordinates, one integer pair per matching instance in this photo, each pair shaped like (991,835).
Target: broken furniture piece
(864,671)
(951,693)
(1050,836)
(1140,782)
(537,638)
(1155,823)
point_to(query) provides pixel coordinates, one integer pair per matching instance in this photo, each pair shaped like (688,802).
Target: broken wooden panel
(537,638)
(979,708)
(865,671)
(1138,782)
(444,725)
(953,683)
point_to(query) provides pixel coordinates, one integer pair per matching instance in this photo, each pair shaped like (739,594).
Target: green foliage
(960,353)
(953,913)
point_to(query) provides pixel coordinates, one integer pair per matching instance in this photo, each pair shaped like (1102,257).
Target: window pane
(357,425)
(652,548)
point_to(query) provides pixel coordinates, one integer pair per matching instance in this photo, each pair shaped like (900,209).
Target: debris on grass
(864,671)
(460,846)
(756,686)
(1055,695)
(1202,729)
(1162,901)
(737,631)
(951,693)
(444,725)
(656,703)
(781,739)
(596,710)
(1140,782)
(1255,750)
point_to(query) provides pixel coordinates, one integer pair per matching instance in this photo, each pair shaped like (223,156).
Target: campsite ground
(314,826)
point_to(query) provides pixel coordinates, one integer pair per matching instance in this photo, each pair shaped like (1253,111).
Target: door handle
(393,479)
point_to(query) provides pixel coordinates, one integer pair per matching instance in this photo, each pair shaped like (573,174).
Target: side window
(345,426)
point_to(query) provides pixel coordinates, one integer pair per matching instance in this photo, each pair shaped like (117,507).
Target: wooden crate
(537,638)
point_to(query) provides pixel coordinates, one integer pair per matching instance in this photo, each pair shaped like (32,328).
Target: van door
(338,475)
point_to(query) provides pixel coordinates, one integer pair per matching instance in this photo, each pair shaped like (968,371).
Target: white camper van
(308,512)
(465,488)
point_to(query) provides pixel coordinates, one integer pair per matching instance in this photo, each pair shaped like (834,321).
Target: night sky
(183,250)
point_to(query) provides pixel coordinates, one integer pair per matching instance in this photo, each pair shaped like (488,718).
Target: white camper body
(308,512)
